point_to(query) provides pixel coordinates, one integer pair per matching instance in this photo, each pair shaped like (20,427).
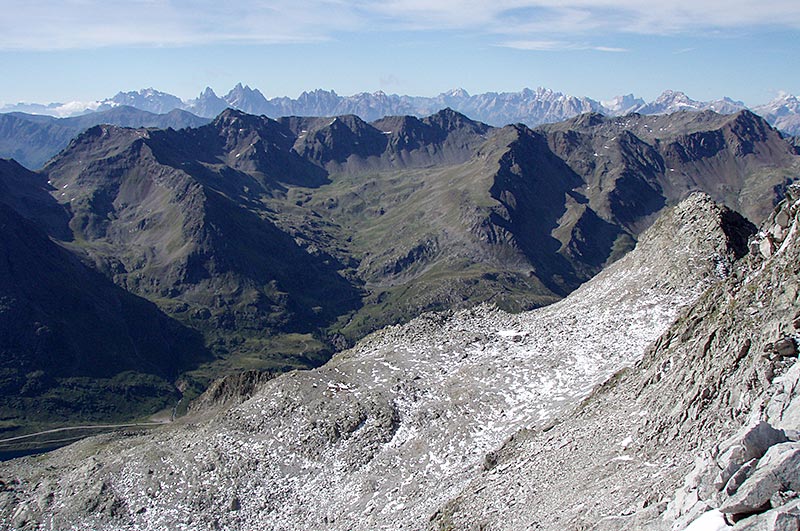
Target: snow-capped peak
(457,93)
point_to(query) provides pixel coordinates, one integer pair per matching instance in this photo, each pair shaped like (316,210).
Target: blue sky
(85,50)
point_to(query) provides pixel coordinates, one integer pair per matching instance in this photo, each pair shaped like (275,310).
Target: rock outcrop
(701,433)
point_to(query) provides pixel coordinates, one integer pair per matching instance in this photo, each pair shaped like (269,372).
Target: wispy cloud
(48,25)
(609,49)
(577,16)
(57,24)
(538,46)
(556,46)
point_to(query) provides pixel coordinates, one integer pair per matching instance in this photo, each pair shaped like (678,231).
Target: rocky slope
(383,435)
(703,428)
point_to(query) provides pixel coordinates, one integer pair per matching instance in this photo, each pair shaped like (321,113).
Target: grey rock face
(633,441)
(748,447)
(756,471)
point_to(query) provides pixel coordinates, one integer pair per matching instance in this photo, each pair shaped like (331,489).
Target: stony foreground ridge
(386,433)
(703,428)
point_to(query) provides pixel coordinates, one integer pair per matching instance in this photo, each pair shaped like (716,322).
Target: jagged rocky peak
(752,127)
(625,104)
(101,142)
(239,127)
(399,124)
(148,99)
(456,93)
(319,93)
(335,140)
(673,100)
(406,132)
(726,105)
(207,104)
(231,117)
(246,99)
(711,238)
(588,120)
(696,220)
(350,122)
(207,93)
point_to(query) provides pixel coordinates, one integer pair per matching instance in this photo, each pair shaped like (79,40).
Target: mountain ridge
(534,200)
(32,140)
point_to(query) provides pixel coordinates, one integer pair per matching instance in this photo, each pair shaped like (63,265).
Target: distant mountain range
(531,107)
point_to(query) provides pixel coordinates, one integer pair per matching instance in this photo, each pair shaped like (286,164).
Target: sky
(85,50)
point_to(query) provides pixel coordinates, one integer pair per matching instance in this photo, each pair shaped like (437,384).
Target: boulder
(750,443)
(740,476)
(785,347)
(783,410)
(766,247)
(782,219)
(785,518)
(777,471)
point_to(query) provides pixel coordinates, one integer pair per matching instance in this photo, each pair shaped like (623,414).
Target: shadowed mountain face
(170,216)
(280,241)
(29,194)
(72,344)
